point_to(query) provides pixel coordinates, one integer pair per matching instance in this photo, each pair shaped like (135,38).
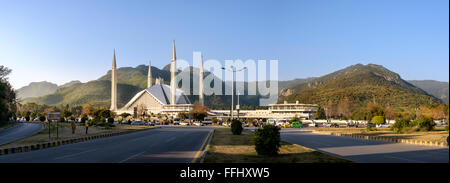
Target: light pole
(233,70)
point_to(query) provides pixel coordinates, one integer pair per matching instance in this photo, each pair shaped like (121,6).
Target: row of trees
(344,110)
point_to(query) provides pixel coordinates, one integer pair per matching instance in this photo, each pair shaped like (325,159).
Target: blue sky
(64,40)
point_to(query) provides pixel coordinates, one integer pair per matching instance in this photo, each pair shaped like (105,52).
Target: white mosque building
(158,98)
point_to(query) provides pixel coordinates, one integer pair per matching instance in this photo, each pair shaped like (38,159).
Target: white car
(326,125)
(197,123)
(383,126)
(184,123)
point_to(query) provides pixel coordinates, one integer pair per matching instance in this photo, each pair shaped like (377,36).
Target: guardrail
(387,139)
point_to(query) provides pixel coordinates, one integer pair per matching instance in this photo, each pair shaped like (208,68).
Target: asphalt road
(19,131)
(367,151)
(162,145)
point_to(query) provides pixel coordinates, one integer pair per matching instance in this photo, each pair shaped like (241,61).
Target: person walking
(87,126)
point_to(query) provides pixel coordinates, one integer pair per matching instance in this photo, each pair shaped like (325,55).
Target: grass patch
(228,148)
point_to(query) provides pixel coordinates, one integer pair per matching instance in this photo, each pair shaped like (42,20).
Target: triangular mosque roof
(161,93)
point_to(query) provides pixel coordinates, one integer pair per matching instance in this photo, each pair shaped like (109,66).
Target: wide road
(19,131)
(367,151)
(165,145)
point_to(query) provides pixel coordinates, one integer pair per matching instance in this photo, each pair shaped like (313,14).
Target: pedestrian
(73,127)
(87,126)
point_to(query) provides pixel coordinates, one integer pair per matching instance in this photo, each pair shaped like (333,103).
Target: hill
(130,81)
(36,89)
(436,88)
(361,84)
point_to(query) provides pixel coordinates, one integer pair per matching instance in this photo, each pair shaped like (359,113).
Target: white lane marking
(76,154)
(132,157)
(170,139)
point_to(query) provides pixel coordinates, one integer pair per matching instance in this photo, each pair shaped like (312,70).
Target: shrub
(27,118)
(42,118)
(400,125)
(424,124)
(61,119)
(84,119)
(236,127)
(267,140)
(111,120)
(378,120)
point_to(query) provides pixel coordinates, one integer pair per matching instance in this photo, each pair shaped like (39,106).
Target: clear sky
(63,40)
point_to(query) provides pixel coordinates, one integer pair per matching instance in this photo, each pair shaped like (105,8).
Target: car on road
(157,122)
(297,124)
(370,125)
(327,125)
(115,123)
(312,125)
(184,123)
(149,123)
(197,123)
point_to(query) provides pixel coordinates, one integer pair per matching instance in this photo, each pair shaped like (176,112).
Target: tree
(389,112)
(373,109)
(86,110)
(344,108)
(320,114)
(8,101)
(198,112)
(329,109)
(378,120)
(183,115)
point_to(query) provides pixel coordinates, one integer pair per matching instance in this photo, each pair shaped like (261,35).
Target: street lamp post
(233,70)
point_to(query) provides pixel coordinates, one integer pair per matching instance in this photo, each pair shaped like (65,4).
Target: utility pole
(233,70)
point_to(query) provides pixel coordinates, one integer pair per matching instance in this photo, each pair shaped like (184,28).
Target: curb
(39,146)
(202,151)
(387,139)
(207,147)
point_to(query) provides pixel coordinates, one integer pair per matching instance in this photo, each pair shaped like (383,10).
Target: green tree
(236,127)
(378,120)
(267,140)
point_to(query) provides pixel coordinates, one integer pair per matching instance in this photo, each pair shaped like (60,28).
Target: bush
(42,118)
(267,140)
(400,125)
(111,120)
(378,120)
(84,119)
(61,119)
(236,127)
(424,124)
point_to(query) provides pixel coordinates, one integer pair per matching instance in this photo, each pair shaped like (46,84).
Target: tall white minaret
(113,84)
(149,75)
(173,67)
(200,89)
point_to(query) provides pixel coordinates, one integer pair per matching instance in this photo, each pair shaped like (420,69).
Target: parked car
(157,122)
(137,123)
(206,122)
(297,124)
(149,123)
(184,123)
(327,125)
(383,126)
(370,125)
(176,121)
(286,125)
(197,123)
(312,125)
(115,122)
